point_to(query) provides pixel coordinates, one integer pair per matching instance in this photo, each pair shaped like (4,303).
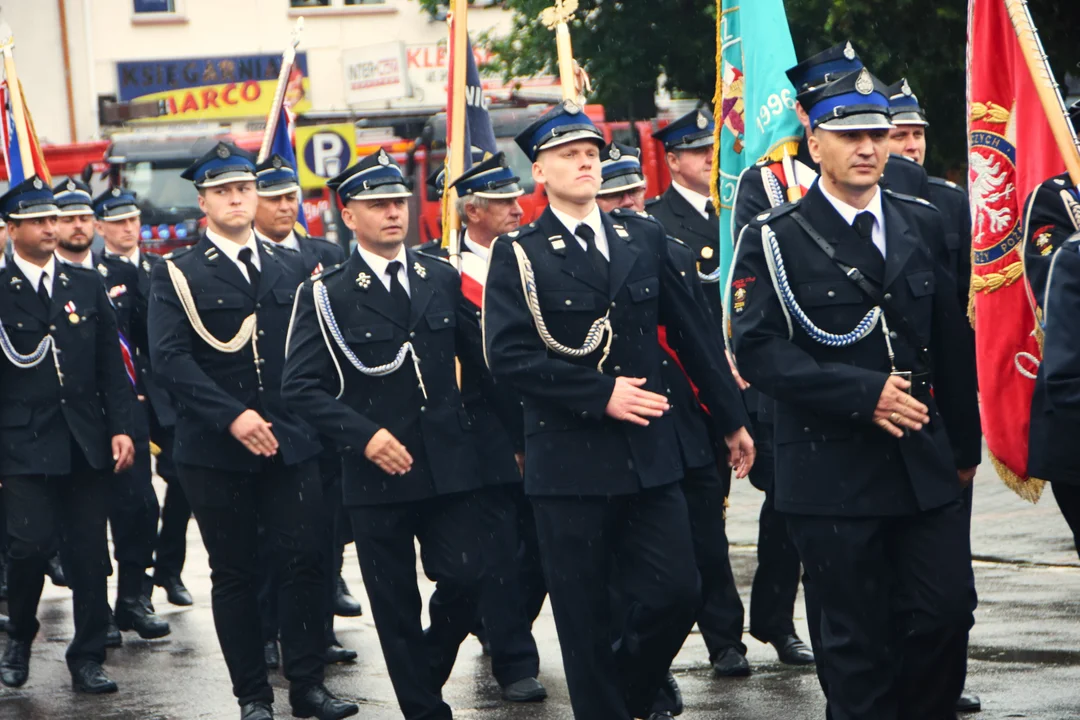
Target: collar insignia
(363,281)
(421,271)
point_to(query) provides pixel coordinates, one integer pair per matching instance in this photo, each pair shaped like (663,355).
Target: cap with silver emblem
(620,169)
(73,198)
(856,101)
(827,65)
(904,106)
(224,163)
(116,204)
(28,200)
(692,130)
(275,176)
(564,123)
(492,179)
(374,177)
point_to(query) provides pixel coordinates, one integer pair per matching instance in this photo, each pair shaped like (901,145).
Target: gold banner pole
(1047,87)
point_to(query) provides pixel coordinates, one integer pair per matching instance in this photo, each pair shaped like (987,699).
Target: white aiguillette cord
(246,334)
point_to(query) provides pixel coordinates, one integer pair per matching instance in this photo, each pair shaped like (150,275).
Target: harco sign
(213,88)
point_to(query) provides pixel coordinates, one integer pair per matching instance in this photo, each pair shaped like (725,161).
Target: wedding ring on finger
(895,417)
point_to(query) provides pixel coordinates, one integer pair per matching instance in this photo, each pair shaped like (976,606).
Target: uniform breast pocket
(441,320)
(284,296)
(86,322)
(368,334)
(921,283)
(644,289)
(219,301)
(568,301)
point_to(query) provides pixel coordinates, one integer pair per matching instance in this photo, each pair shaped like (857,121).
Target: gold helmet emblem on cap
(615,153)
(277,162)
(383,159)
(116,192)
(37,183)
(71,185)
(222,152)
(905,88)
(702,121)
(864,85)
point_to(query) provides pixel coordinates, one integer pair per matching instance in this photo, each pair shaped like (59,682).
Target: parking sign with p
(323,151)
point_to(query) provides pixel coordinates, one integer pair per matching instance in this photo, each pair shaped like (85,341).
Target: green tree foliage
(625,45)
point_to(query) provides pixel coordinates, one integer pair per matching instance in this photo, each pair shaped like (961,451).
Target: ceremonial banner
(1010,151)
(282,144)
(13,159)
(754,103)
(213,88)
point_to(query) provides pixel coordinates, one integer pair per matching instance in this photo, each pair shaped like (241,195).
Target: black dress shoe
(91,679)
(56,572)
(968,703)
(671,689)
(318,702)
(257,710)
(731,663)
(524,690)
(793,651)
(113,638)
(136,614)
(345,605)
(15,665)
(337,654)
(661,715)
(175,591)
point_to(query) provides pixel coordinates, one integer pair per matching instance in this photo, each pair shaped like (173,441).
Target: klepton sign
(213,88)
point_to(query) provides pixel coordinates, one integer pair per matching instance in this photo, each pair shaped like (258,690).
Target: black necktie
(586,233)
(252,271)
(864,226)
(397,291)
(43,292)
(710,211)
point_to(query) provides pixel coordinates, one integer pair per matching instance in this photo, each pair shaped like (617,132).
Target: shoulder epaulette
(273,247)
(677,241)
(653,201)
(773,213)
(179,253)
(429,245)
(627,213)
(520,233)
(327,272)
(432,256)
(942,182)
(908,198)
(78,269)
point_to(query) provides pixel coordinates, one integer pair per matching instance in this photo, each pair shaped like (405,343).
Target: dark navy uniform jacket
(952,201)
(1048,223)
(692,425)
(494,407)
(831,459)
(315,253)
(38,416)
(436,430)
(701,235)
(572,446)
(1055,407)
(128,286)
(212,388)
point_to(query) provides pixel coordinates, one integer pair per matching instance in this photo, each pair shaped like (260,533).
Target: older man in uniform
(371,365)
(721,616)
(571,314)
(278,188)
(514,590)
(219,314)
(849,320)
(65,409)
(908,138)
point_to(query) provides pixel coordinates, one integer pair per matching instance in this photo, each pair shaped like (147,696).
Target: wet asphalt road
(1025,648)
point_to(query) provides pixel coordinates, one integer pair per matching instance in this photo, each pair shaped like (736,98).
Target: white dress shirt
(476,248)
(696,199)
(87,261)
(593,221)
(232,250)
(291,241)
(36,274)
(378,265)
(874,208)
